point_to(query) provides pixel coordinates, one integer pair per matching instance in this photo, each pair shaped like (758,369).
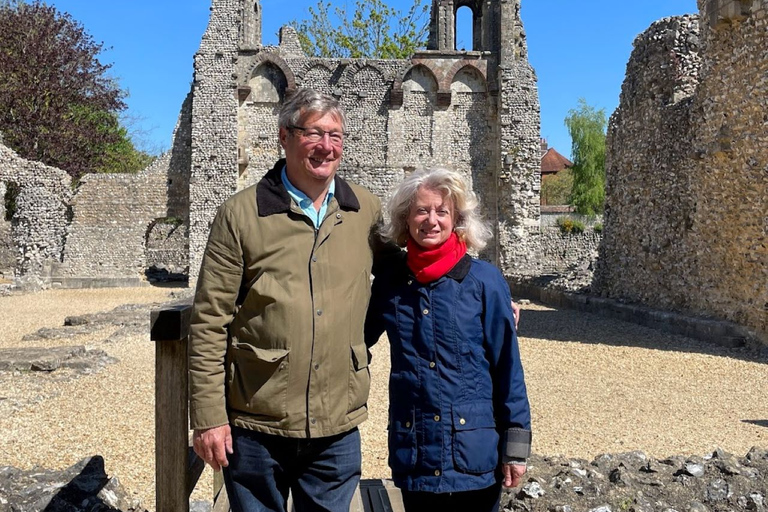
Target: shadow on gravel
(759,423)
(580,327)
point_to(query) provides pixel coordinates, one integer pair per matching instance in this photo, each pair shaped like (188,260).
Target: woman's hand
(516,313)
(513,474)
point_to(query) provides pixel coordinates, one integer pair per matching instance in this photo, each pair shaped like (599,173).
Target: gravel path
(595,386)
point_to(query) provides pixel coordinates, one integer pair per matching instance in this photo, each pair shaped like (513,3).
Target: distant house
(552,162)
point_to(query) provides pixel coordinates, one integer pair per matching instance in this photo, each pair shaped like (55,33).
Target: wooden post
(170,330)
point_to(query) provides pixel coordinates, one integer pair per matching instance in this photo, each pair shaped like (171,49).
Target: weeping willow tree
(587,129)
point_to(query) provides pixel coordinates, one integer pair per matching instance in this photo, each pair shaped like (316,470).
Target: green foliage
(598,228)
(557,189)
(373,30)
(11,193)
(173,221)
(587,129)
(569,226)
(57,103)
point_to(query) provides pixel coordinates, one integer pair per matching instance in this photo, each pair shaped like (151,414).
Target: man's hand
(513,474)
(213,445)
(516,313)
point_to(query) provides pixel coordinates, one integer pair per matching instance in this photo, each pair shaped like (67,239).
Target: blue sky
(578,49)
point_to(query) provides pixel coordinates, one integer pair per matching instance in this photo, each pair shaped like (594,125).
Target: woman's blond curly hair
(468,224)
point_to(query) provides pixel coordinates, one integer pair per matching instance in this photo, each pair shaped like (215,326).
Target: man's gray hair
(306,101)
(467,221)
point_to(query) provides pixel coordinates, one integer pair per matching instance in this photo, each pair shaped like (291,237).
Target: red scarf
(431,264)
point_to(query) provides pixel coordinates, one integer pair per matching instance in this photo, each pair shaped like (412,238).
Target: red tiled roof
(552,161)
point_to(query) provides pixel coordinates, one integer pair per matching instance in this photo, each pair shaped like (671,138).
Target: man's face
(309,161)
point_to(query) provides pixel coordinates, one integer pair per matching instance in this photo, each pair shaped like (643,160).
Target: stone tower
(476,111)
(250,35)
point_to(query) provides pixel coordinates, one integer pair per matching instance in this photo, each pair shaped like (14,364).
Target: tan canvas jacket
(276,340)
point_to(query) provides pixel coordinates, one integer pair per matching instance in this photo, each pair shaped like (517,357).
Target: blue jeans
(322,473)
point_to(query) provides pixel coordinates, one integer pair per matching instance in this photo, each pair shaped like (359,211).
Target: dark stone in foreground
(633,482)
(82,487)
(37,359)
(627,482)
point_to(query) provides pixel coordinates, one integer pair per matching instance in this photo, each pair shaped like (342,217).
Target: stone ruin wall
(456,109)
(686,223)
(106,237)
(109,231)
(38,226)
(124,224)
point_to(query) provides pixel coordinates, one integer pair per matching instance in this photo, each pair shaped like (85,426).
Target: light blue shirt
(305,203)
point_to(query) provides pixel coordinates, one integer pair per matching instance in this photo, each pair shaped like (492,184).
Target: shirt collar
(300,197)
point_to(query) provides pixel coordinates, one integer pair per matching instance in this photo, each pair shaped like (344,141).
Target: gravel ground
(595,386)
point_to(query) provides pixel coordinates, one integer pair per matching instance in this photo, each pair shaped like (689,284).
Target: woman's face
(430,219)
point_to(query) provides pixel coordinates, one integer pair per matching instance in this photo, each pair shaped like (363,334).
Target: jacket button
(426,311)
(319,312)
(462,421)
(317,366)
(338,215)
(313,421)
(432,364)
(410,281)
(437,472)
(314,259)
(407,424)
(437,417)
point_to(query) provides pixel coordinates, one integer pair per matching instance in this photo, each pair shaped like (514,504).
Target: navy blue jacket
(456,385)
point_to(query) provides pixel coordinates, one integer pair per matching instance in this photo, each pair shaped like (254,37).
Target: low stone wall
(560,251)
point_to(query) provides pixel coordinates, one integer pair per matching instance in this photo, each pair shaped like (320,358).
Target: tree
(373,30)
(587,129)
(557,189)
(57,103)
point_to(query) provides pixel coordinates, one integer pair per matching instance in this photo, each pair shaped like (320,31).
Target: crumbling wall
(687,168)
(111,213)
(38,225)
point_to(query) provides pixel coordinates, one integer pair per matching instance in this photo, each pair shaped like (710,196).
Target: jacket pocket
(258,381)
(475,439)
(359,377)
(402,442)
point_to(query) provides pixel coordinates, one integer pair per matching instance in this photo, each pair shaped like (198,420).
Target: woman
(459,420)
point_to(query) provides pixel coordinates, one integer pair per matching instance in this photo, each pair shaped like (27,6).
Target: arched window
(465,20)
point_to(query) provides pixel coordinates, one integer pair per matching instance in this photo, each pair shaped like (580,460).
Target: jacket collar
(272,197)
(460,269)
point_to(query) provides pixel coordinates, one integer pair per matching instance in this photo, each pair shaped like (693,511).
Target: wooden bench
(177,466)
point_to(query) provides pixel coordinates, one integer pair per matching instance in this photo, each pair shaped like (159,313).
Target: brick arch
(459,66)
(279,63)
(396,94)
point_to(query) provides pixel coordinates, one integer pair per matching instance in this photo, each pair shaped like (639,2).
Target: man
(278,366)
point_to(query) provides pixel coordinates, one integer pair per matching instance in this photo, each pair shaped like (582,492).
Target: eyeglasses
(316,135)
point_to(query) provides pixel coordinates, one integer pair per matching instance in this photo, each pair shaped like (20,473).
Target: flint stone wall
(117,227)
(686,222)
(38,227)
(477,112)
(560,251)
(106,236)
